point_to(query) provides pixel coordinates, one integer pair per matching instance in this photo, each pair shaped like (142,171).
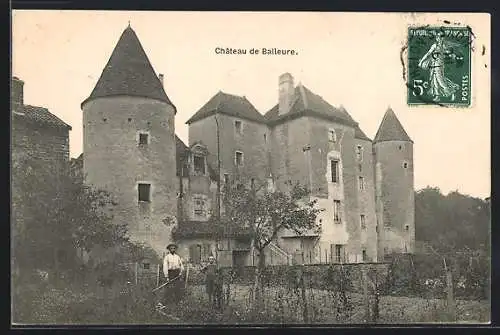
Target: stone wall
(251,142)
(316,276)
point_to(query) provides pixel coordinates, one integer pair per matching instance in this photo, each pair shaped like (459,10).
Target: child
(210,271)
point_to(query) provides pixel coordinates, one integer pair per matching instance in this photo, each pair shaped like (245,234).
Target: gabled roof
(129,72)
(41,115)
(307,103)
(360,135)
(229,104)
(391,129)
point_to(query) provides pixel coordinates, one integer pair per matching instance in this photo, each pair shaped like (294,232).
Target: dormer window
(199,165)
(237,126)
(332,136)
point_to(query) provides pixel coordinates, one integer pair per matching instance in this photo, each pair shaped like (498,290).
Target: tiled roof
(360,135)
(391,129)
(228,104)
(42,115)
(308,103)
(190,229)
(129,72)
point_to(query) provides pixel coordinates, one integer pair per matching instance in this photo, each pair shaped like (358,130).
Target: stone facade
(366,193)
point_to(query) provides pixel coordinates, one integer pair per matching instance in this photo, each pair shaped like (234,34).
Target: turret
(129,142)
(394,185)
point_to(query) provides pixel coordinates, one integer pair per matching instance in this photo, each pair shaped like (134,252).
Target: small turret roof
(391,129)
(129,72)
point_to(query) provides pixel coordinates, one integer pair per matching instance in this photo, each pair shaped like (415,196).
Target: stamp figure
(439,66)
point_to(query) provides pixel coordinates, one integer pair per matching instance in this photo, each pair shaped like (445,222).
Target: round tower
(129,142)
(394,187)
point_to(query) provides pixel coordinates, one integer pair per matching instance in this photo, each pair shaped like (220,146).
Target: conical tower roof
(129,72)
(391,129)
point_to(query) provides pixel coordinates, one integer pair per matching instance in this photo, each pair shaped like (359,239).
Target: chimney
(16,94)
(286,93)
(160,76)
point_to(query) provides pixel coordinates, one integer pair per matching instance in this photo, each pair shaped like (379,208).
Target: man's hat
(172,245)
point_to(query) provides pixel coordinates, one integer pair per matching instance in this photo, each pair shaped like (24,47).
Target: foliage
(453,222)
(265,213)
(53,209)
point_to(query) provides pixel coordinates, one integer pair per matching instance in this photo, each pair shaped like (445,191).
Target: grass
(82,304)
(284,306)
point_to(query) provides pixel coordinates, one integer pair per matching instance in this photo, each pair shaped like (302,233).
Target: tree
(265,214)
(452,222)
(54,212)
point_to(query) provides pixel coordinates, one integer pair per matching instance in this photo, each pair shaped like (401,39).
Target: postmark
(439,66)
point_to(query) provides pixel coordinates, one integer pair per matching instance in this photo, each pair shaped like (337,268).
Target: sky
(350,59)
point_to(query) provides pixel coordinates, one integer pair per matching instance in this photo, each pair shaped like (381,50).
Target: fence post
(366,296)
(136,274)
(157,275)
(305,313)
(450,299)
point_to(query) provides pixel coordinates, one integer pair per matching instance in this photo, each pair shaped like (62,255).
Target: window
(360,168)
(400,148)
(265,138)
(144,192)
(143,138)
(332,136)
(199,164)
(199,206)
(407,228)
(237,127)
(238,158)
(226,178)
(359,153)
(145,266)
(334,167)
(365,257)
(336,211)
(338,253)
(363,221)
(361,183)
(252,183)
(405,165)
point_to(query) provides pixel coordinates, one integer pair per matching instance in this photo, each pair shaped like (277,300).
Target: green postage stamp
(439,66)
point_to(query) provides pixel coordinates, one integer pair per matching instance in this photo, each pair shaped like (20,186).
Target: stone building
(130,148)
(40,143)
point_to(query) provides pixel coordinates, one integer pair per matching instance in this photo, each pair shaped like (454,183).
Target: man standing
(172,269)
(210,271)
